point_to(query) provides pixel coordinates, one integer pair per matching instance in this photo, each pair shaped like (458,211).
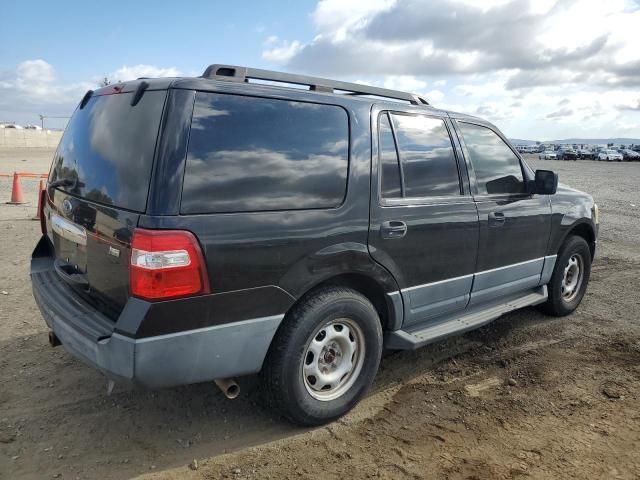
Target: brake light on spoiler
(166,264)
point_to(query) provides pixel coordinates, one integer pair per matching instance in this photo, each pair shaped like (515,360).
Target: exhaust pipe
(229,387)
(54,341)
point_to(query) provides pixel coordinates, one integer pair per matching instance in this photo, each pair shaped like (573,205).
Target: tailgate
(98,187)
(91,246)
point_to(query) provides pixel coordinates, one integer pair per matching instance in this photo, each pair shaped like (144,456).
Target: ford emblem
(66,206)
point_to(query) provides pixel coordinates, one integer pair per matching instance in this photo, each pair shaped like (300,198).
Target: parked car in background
(548,155)
(629,155)
(527,148)
(567,154)
(585,154)
(609,155)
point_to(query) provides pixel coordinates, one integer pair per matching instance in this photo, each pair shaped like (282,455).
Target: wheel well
(364,285)
(585,231)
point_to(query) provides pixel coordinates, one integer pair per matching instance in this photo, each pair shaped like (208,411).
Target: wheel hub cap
(572,279)
(333,359)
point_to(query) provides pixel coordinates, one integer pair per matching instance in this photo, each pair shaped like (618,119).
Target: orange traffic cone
(17,197)
(43,187)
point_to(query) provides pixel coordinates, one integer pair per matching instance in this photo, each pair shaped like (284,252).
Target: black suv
(567,154)
(199,229)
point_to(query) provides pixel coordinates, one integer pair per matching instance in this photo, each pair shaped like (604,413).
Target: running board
(477,316)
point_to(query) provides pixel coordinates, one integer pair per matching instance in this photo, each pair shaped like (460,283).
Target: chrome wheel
(333,359)
(572,280)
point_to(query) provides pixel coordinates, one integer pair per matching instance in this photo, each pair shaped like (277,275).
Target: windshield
(106,152)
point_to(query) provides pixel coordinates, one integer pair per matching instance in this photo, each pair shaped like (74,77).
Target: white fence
(15,138)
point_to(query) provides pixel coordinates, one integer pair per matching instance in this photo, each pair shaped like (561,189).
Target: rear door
(98,187)
(424,223)
(514,225)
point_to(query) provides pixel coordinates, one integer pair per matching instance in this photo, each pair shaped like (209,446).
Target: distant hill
(519,141)
(579,141)
(596,141)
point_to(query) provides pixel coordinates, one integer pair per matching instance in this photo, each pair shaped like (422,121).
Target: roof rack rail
(236,73)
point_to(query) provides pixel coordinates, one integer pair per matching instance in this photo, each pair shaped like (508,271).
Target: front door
(514,225)
(424,222)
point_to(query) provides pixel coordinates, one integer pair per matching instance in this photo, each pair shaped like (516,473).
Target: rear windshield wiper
(63,182)
(139,92)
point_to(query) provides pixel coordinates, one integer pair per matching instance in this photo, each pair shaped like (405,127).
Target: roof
(234,79)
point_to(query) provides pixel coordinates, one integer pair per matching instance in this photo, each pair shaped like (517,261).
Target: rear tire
(570,278)
(324,357)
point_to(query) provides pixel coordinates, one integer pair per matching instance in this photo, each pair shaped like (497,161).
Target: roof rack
(236,73)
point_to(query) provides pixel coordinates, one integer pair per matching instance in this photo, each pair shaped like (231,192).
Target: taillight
(166,264)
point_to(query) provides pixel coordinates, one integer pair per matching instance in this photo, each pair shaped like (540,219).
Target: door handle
(496,219)
(67,272)
(393,229)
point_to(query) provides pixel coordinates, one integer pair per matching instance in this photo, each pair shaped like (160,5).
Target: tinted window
(248,154)
(496,167)
(107,149)
(428,162)
(389,165)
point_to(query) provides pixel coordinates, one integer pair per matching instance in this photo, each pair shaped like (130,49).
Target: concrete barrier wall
(14,138)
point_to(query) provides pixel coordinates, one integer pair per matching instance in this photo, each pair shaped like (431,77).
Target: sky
(539,69)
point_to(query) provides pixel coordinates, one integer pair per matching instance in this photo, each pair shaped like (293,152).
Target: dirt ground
(527,396)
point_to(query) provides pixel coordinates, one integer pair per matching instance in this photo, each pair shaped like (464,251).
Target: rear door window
(253,154)
(107,149)
(427,158)
(497,168)
(428,166)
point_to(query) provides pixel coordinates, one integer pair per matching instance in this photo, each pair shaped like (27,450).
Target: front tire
(570,278)
(324,357)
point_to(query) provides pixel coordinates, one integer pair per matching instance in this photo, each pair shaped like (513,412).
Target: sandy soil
(34,160)
(527,396)
(30,160)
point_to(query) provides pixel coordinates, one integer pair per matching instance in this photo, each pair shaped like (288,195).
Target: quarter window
(496,167)
(391,184)
(252,154)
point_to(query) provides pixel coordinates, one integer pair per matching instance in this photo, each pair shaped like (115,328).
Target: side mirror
(546,182)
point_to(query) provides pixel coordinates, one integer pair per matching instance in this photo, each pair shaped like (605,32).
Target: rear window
(107,149)
(252,154)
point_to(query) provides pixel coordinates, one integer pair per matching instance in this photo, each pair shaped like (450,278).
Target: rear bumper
(179,358)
